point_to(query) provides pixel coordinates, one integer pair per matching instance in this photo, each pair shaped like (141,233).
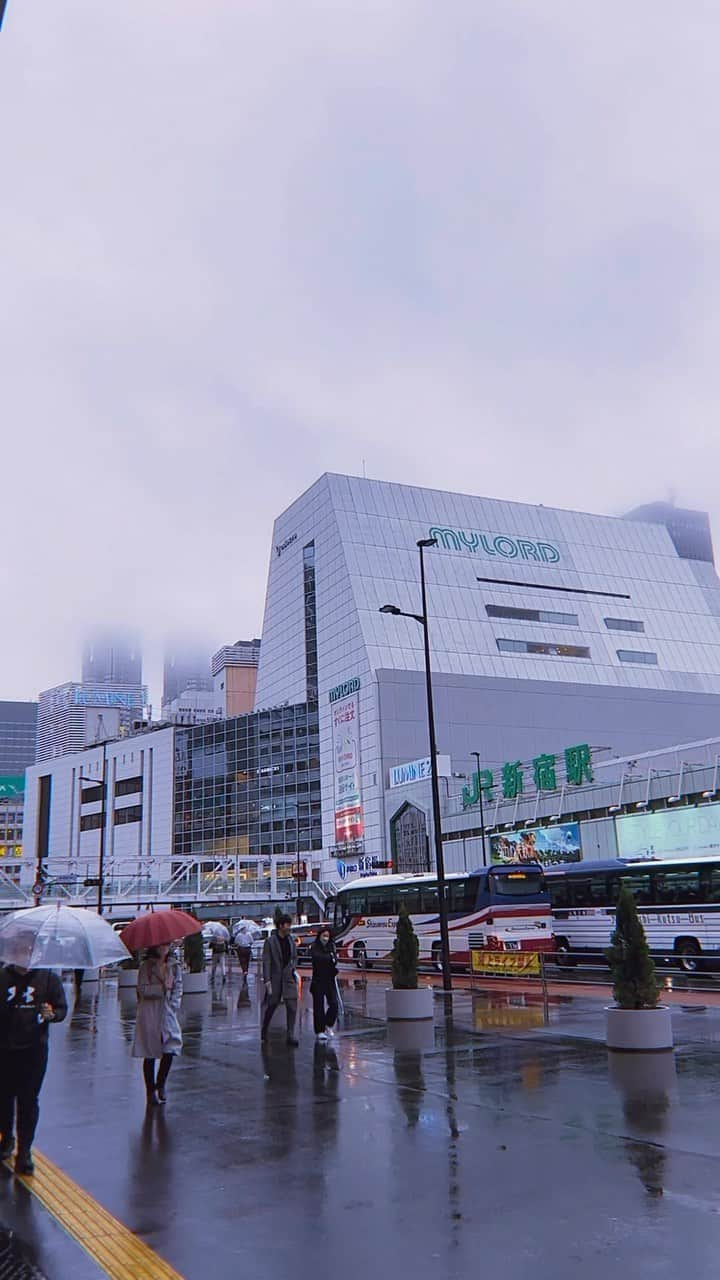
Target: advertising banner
(345,712)
(691,831)
(547,845)
(511,963)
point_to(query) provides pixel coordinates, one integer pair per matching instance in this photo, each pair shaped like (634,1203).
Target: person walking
(279,961)
(243,947)
(323,987)
(218,950)
(30,999)
(157,1030)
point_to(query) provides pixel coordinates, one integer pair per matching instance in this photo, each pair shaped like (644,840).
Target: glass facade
(249,786)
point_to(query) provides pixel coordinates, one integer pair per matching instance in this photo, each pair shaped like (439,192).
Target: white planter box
(408,1006)
(639,1030)
(195,984)
(127,978)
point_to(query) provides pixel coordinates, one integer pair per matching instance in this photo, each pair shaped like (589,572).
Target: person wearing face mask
(323,987)
(30,999)
(157,1030)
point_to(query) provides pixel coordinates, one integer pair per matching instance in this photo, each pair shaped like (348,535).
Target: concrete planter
(195,984)
(638,1030)
(408,1006)
(127,978)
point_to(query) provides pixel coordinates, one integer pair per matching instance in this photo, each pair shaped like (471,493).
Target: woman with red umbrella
(157,1030)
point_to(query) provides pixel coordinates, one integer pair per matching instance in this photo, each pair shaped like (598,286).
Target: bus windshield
(520,882)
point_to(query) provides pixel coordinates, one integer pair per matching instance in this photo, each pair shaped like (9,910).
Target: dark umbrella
(158,927)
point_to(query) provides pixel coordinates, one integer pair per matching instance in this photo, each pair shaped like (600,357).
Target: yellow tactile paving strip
(111,1244)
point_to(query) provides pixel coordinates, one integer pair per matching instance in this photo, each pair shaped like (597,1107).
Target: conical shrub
(633,971)
(405,954)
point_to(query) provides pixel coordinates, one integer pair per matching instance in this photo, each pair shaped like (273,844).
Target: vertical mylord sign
(345,712)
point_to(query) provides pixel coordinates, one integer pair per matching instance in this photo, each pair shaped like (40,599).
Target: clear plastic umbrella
(247,926)
(214,929)
(57,937)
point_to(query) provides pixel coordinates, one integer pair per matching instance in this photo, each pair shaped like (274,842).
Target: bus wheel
(562,954)
(360,956)
(688,952)
(436,956)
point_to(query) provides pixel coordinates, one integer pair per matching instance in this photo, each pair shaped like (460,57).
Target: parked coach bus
(678,902)
(504,908)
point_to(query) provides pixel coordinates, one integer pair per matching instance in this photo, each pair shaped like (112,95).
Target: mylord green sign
(12,787)
(345,690)
(496,545)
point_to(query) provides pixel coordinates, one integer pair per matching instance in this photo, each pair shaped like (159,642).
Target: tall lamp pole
(476,754)
(422,618)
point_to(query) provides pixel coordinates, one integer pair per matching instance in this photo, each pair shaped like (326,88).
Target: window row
(550,650)
(660,888)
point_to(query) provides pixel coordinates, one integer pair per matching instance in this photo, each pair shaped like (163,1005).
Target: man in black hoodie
(30,999)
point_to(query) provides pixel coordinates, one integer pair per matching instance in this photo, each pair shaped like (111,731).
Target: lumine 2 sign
(496,544)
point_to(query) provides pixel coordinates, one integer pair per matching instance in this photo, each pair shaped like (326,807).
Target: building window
(91,795)
(91,822)
(128,786)
(549,650)
(624,624)
(531,615)
(133,813)
(311,656)
(637,655)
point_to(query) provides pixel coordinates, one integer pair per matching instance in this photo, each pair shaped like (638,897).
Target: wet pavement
(504,1140)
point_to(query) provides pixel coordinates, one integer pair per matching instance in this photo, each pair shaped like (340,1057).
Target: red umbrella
(156,927)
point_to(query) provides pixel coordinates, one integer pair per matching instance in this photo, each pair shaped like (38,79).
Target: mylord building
(550,631)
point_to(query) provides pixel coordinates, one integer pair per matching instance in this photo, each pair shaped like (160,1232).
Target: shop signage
(578,769)
(283,546)
(547,845)
(418,771)
(345,712)
(496,544)
(12,787)
(106,698)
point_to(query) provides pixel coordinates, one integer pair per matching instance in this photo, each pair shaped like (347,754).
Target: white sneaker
(330,1033)
(321,1035)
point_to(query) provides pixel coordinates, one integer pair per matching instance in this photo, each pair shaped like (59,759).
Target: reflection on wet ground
(503,1138)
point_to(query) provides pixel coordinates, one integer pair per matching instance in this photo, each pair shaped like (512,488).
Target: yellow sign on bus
(511,963)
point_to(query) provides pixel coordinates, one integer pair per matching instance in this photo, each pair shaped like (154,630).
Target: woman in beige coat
(157,1029)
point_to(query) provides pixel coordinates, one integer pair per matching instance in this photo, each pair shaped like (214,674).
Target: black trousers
(164,1071)
(290,1015)
(22,1072)
(324,1017)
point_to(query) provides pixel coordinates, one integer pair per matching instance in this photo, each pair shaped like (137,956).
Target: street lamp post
(103,812)
(476,754)
(422,618)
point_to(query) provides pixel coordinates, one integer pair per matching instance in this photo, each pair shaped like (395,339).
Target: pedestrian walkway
(499,1142)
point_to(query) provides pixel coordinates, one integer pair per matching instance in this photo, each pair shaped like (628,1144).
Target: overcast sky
(475,244)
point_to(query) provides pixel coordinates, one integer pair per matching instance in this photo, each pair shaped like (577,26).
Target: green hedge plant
(405,954)
(633,970)
(194,953)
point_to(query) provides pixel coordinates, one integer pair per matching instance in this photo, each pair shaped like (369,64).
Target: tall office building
(18,729)
(186,669)
(112,656)
(234,672)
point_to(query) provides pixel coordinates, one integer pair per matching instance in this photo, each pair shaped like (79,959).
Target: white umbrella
(214,929)
(57,937)
(247,926)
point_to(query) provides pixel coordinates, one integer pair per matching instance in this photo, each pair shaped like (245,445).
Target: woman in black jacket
(323,986)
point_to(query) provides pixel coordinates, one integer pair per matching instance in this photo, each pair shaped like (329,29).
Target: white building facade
(548,629)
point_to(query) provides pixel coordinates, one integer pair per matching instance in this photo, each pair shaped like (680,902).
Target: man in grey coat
(279,961)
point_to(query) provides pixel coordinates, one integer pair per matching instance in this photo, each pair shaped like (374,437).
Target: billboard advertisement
(666,832)
(548,845)
(345,712)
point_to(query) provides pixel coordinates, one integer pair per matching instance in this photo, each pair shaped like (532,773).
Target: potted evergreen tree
(195,980)
(406,1001)
(636,1022)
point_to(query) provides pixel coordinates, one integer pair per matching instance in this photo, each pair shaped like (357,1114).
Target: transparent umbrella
(214,929)
(57,937)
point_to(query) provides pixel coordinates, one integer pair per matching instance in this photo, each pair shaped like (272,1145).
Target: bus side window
(714,888)
(380,900)
(463,895)
(589,891)
(559,891)
(409,894)
(679,885)
(639,884)
(356,903)
(429,899)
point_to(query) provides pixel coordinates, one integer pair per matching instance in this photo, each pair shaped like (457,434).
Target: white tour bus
(500,908)
(678,902)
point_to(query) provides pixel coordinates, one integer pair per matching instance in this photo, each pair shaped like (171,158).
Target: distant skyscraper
(112,656)
(18,727)
(73,716)
(234,669)
(186,669)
